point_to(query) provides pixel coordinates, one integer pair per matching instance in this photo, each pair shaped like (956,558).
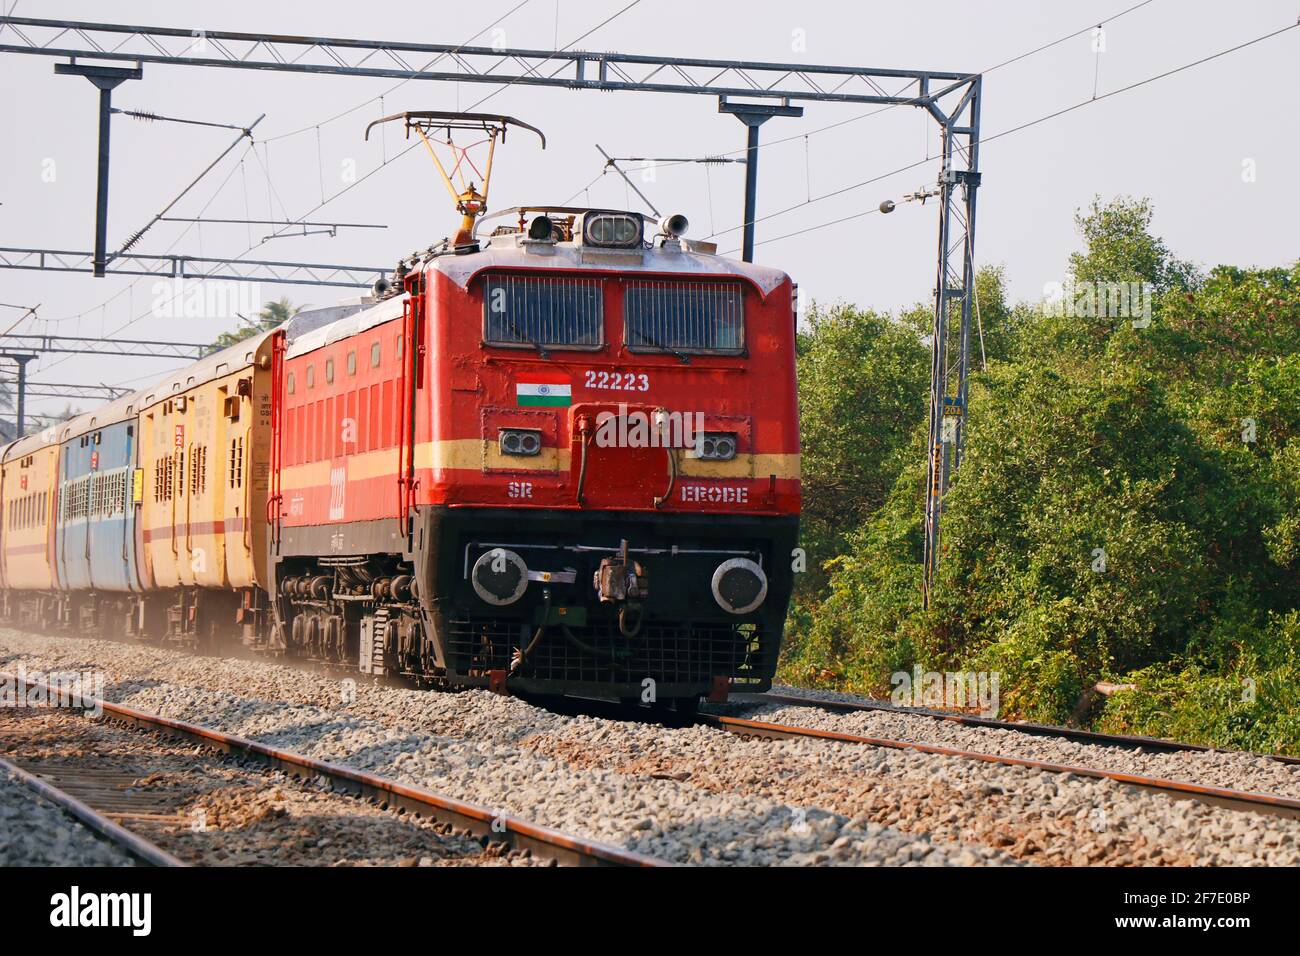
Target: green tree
(274,314)
(1128,509)
(1120,247)
(862,379)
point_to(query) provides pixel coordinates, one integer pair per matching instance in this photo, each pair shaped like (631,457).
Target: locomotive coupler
(620,580)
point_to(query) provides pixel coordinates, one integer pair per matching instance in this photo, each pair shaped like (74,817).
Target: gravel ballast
(690,795)
(37,832)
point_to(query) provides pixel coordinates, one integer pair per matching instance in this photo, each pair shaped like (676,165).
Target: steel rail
(540,841)
(134,844)
(1075,734)
(1238,800)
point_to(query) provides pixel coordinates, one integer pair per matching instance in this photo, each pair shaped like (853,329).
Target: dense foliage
(1128,511)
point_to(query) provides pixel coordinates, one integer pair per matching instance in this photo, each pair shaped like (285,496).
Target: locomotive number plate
(617,381)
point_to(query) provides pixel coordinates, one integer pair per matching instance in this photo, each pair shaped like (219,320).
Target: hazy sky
(1182,141)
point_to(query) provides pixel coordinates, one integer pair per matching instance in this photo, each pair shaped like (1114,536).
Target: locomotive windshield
(543,311)
(684,316)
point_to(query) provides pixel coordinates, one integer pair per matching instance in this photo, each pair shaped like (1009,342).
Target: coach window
(329,371)
(311,376)
(290,383)
(352,363)
(374,355)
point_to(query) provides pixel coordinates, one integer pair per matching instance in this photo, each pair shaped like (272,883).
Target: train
(560,460)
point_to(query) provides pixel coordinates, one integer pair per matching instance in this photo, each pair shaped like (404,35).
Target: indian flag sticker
(543,388)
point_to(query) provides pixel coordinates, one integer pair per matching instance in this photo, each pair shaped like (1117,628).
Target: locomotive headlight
(611,230)
(499,577)
(739,585)
(522,442)
(716,446)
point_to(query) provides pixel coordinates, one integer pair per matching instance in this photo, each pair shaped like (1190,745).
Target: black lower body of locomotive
(408,605)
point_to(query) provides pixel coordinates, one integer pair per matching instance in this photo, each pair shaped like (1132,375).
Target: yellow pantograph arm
(487,169)
(455,196)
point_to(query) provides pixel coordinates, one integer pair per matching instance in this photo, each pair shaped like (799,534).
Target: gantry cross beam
(194,267)
(19,344)
(953,99)
(100,393)
(567,69)
(22,349)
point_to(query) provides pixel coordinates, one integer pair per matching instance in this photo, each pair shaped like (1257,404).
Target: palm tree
(273,314)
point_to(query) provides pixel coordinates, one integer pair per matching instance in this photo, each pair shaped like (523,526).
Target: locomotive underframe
(341,597)
(196,618)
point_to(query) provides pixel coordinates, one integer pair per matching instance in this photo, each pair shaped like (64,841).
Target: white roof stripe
(506,253)
(354,324)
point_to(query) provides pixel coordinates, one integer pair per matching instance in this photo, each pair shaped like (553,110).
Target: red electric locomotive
(562,459)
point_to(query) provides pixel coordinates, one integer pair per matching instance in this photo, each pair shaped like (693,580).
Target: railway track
(119,803)
(1147,744)
(672,794)
(1238,800)
(137,847)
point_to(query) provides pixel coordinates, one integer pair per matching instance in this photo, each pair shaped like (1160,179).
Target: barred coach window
(550,311)
(684,316)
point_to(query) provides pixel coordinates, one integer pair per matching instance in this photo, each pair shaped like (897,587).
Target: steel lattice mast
(953,304)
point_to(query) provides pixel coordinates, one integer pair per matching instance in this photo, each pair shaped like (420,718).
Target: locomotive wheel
(311,636)
(333,638)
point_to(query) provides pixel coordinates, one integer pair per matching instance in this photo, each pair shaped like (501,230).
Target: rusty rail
(541,841)
(1153,744)
(1177,789)
(134,844)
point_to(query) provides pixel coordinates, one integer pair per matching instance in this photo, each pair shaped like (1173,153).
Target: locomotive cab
(560,460)
(615,475)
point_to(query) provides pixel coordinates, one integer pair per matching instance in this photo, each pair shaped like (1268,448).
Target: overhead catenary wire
(870,113)
(1001,134)
(129,289)
(603,23)
(396,86)
(245,132)
(1092,25)
(357,182)
(876,112)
